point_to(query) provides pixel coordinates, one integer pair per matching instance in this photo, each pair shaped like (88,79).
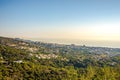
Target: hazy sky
(61,19)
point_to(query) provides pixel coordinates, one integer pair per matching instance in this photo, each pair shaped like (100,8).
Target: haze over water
(92,43)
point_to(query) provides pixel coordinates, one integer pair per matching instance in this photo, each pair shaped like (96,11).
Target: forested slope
(28,60)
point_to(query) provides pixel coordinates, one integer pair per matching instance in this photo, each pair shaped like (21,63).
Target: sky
(92,20)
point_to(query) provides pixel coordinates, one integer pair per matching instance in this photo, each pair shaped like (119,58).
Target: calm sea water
(113,44)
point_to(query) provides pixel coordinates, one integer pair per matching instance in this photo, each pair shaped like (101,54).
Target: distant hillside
(24,59)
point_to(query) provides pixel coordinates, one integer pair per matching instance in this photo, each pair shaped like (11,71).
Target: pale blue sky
(63,19)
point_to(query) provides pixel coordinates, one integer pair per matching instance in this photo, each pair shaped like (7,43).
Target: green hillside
(28,60)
